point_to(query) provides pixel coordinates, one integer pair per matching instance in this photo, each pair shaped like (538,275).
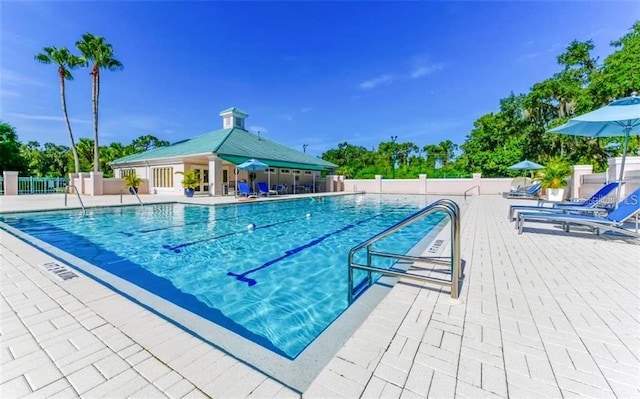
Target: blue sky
(316,73)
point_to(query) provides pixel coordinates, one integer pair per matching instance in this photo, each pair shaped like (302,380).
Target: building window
(285,171)
(127,172)
(163,177)
(227,121)
(239,122)
(307,172)
(270,171)
(296,172)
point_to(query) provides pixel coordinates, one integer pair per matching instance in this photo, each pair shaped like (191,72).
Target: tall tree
(11,158)
(620,74)
(65,62)
(97,54)
(147,142)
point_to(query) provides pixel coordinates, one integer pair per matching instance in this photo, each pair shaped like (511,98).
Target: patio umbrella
(526,165)
(621,118)
(253,165)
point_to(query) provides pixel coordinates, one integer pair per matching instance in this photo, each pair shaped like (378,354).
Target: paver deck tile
(542,314)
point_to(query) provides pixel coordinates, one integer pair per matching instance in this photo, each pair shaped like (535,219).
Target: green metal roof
(232,109)
(236,146)
(204,144)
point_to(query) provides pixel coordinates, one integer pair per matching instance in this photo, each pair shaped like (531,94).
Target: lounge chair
(263,189)
(244,191)
(560,207)
(529,193)
(281,188)
(614,221)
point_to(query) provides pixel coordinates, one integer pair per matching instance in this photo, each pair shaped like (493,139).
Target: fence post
(576,179)
(10,183)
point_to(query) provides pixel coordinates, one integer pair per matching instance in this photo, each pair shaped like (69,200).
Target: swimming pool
(278,284)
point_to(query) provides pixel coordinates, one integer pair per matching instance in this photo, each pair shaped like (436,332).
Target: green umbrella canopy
(526,165)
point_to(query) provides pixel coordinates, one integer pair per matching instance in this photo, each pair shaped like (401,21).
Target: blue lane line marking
(178,248)
(243,276)
(202,222)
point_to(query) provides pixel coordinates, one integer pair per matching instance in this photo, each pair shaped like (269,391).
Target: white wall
(423,185)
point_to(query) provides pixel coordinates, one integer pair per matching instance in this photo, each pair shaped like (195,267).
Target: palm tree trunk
(76,160)
(94,98)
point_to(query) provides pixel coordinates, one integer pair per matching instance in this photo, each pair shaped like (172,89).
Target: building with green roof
(215,156)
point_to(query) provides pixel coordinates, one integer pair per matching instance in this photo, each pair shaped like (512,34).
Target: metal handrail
(66,191)
(476,186)
(453,211)
(134,193)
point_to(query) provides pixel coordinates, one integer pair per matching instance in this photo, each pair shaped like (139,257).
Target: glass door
(203,174)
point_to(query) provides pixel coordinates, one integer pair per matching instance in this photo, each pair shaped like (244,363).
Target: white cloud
(46,118)
(424,70)
(258,128)
(528,57)
(287,117)
(11,78)
(9,93)
(419,67)
(371,84)
(305,110)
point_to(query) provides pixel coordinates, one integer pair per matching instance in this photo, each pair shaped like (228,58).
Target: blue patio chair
(614,221)
(529,193)
(281,188)
(263,189)
(244,190)
(560,207)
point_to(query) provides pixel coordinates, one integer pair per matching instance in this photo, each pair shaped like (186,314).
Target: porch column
(215,176)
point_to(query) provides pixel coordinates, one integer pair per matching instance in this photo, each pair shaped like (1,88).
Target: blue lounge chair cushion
(589,203)
(263,189)
(243,190)
(626,209)
(531,192)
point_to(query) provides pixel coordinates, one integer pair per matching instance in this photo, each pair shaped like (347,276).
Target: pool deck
(543,314)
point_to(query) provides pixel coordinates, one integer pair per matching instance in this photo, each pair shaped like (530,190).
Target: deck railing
(41,185)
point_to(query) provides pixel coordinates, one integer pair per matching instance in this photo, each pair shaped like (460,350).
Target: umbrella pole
(236,192)
(624,158)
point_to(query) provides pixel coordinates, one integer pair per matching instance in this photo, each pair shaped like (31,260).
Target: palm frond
(43,58)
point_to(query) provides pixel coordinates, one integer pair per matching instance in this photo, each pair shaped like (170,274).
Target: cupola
(233,117)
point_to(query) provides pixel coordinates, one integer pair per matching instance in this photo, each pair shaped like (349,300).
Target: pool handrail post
(134,193)
(448,207)
(66,191)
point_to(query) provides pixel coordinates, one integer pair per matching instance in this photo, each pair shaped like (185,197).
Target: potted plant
(190,180)
(132,181)
(553,178)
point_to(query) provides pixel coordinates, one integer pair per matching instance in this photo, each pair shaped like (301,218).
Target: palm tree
(65,62)
(98,54)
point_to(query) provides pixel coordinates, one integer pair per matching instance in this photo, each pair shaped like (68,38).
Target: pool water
(274,272)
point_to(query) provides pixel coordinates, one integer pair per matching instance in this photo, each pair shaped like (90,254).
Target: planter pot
(555,194)
(133,190)
(189,192)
